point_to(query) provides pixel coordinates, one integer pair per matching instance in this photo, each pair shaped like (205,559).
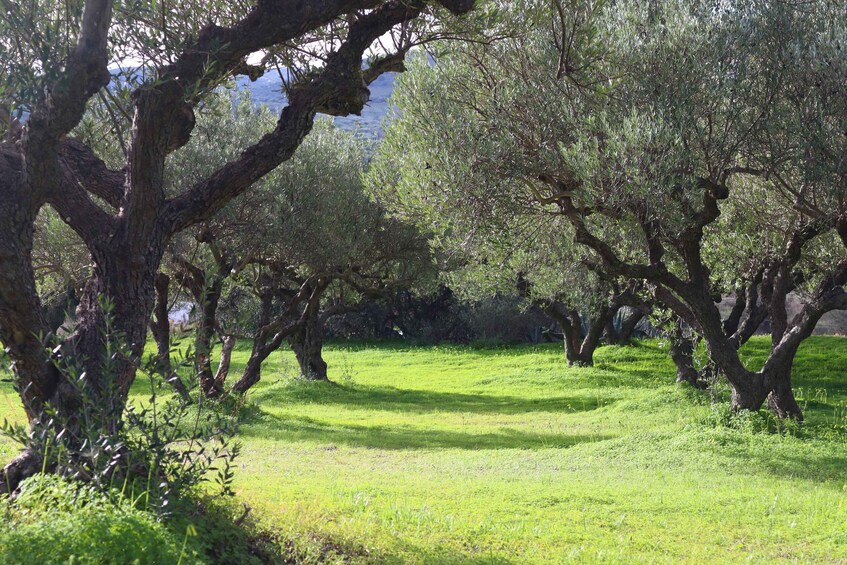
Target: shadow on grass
(794,463)
(419,401)
(306,546)
(643,375)
(301,428)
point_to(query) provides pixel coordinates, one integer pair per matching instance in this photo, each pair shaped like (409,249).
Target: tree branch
(85,73)
(339,89)
(91,173)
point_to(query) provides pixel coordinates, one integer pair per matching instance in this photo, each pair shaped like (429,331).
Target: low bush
(55,520)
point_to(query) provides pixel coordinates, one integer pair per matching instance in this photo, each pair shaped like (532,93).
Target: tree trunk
(781,397)
(253,370)
(117,304)
(203,346)
(22,317)
(263,346)
(756,313)
(160,327)
(228,344)
(592,336)
(58,309)
(730,324)
(628,324)
(629,318)
(682,346)
(682,353)
(115,308)
(611,333)
(307,344)
(579,351)
(572,328)
(749,389)
(265,342)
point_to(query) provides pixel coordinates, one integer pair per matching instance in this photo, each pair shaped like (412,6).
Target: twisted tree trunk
(204,336)
(579,350)
(227,345)
(307,343)
(682,348)
(629,320)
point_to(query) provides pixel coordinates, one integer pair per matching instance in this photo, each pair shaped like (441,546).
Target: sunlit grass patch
(504,455)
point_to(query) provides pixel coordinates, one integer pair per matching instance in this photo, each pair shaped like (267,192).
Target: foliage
(650,92)
(660,138)
(55,520)
(165,447)
(465,166)
(287,233)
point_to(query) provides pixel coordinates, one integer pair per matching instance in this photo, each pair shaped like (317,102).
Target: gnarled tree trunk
(227,345)
(206,288)
(307,343)
(682,348)
(630,316)
(579,350)
(205,334)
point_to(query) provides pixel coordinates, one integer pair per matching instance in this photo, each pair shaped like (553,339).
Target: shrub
(55,520)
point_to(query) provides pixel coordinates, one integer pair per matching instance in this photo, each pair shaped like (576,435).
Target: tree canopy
(635,125)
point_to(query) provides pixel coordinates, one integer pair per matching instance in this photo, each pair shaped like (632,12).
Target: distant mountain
(268,91)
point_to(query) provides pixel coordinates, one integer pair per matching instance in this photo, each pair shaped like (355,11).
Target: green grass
(60,522)
(505,455)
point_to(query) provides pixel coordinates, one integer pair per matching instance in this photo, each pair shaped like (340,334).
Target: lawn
(504,455)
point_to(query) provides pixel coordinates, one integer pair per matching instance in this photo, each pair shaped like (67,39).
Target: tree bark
(59,307)
(579,350)
(205,334)
(206,288)
(160,327)
(755,313)
(307,343)
(22,317)
(266,340)
(682,348)
(264,344)
(227,345)
(781,396)
(630,316)
(628,324)
(730,324)
(26,464)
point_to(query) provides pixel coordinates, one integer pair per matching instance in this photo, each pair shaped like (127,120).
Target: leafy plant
(151,451)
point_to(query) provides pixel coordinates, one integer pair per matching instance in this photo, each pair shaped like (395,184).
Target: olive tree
(637,123)
(304,245)
(55,59)
(325,251)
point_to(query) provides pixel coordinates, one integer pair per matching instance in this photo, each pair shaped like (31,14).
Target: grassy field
(504,455)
